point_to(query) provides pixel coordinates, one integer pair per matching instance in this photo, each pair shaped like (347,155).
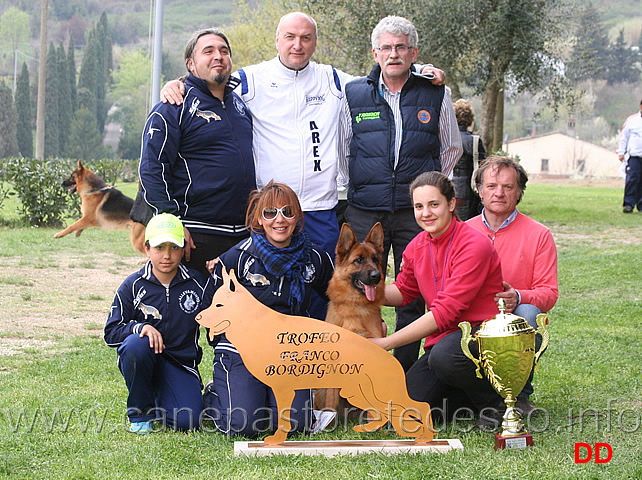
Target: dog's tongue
(371,292)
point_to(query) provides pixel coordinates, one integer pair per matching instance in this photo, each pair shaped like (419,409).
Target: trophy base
(517,442)
(346,447)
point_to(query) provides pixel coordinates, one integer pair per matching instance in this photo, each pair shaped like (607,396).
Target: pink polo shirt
(529,258)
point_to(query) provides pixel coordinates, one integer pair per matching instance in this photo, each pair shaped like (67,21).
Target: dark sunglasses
(271,213)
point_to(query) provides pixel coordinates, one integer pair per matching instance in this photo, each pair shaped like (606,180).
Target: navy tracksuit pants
(159,387)
(240,404)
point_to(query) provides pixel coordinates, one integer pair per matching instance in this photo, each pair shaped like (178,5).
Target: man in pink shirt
(526,247)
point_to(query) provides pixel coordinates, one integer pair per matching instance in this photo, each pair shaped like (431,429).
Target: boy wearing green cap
(151,323)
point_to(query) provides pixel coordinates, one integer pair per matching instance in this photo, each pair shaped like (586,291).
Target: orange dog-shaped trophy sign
(290,353)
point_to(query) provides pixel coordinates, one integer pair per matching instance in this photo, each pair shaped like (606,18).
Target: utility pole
(42,82)
(157,61)
(15,69)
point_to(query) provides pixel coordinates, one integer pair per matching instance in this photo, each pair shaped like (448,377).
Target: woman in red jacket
(457,271)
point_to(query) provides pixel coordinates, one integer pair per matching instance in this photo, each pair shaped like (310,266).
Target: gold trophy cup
(506,347)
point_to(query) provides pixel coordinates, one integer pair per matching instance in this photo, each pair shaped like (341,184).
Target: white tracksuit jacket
(296,128)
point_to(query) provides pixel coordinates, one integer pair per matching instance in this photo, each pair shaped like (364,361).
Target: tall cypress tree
(590,53)
(8,122)
(622,62)
(105,39)
(65,113)
(52,135)
(71,69)
(87,77)
(85,139)
(104,67)
(24,128)
(95,70)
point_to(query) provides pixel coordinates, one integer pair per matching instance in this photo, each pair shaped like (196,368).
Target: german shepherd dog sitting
(102,206)
(356,293)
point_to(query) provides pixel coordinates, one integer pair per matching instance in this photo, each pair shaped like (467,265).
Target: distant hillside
(618,14)
(129,21)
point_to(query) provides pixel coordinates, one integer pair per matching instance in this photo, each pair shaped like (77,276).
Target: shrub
(109,170)
(38,185)
(4,184)
(112,171)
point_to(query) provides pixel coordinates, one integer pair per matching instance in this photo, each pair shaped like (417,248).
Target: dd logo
(579,458)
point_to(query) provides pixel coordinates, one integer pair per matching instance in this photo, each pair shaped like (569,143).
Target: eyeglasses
(271,213)
(401,48)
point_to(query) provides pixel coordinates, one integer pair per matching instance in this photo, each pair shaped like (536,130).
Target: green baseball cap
(165,227)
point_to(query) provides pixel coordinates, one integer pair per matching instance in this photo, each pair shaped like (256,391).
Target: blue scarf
(288,262)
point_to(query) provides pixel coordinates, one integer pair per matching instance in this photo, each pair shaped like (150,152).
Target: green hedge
(44,202)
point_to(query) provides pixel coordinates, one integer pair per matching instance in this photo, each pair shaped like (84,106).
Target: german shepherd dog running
(102,206)
(356,293)
(289,353)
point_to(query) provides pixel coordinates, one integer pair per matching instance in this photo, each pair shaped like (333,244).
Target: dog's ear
(228,278)
(375,236)
(80,166)
(347,239)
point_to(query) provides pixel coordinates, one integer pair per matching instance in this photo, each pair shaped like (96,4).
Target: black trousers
(208,247)
(633,184)
(446,379)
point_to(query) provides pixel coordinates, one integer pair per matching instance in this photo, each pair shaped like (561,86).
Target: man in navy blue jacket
(196,160)
(400,125)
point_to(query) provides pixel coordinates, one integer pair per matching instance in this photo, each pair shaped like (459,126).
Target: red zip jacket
(457,274)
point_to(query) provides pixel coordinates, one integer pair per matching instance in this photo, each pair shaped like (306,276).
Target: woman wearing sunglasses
(280,266)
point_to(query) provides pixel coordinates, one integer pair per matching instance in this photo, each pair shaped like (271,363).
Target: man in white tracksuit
(296,106)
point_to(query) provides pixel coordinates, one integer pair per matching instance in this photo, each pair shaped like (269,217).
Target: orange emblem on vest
(423,116)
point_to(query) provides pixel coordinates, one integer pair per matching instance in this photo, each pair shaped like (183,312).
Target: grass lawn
(62,398)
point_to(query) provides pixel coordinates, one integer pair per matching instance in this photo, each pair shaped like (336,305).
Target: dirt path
(40,304)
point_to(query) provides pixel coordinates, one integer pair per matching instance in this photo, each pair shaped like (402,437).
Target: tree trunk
(498,131)
(489,105)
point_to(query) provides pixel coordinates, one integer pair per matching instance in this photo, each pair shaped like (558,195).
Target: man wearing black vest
(400,125)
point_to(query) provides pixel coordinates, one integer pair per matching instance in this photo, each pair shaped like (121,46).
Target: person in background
(289,267)
(631,144)
(468,203)
(400,125)
(526,248)
(152,324)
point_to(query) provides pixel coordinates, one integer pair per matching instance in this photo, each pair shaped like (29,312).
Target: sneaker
(525,407)
(627,209)
(141,427)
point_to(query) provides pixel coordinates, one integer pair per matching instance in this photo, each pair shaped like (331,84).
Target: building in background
(557,154)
